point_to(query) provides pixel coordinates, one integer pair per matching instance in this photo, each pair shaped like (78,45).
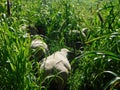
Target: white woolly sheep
(39,49)
(57,64)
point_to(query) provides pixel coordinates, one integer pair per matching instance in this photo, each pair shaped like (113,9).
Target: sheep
(33,30)
(39,48)
(77,38)
(57,64)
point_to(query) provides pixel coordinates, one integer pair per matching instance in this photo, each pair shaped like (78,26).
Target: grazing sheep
(57,64)
(39,49)
(77,38)
(33,29)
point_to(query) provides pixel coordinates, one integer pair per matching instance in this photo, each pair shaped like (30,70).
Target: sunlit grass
(93,65)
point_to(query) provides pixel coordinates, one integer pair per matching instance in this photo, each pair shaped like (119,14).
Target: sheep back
(57,64)
(39,48)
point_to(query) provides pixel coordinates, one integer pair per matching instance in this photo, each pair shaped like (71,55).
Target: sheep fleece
(57,61)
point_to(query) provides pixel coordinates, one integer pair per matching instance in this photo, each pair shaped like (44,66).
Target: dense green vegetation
(96,65)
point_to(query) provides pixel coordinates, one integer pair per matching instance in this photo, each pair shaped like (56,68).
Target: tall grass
(95,66)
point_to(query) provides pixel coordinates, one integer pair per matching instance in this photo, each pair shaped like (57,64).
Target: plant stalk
(8,8)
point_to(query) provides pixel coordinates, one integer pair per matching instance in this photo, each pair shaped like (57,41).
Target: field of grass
(96,63)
